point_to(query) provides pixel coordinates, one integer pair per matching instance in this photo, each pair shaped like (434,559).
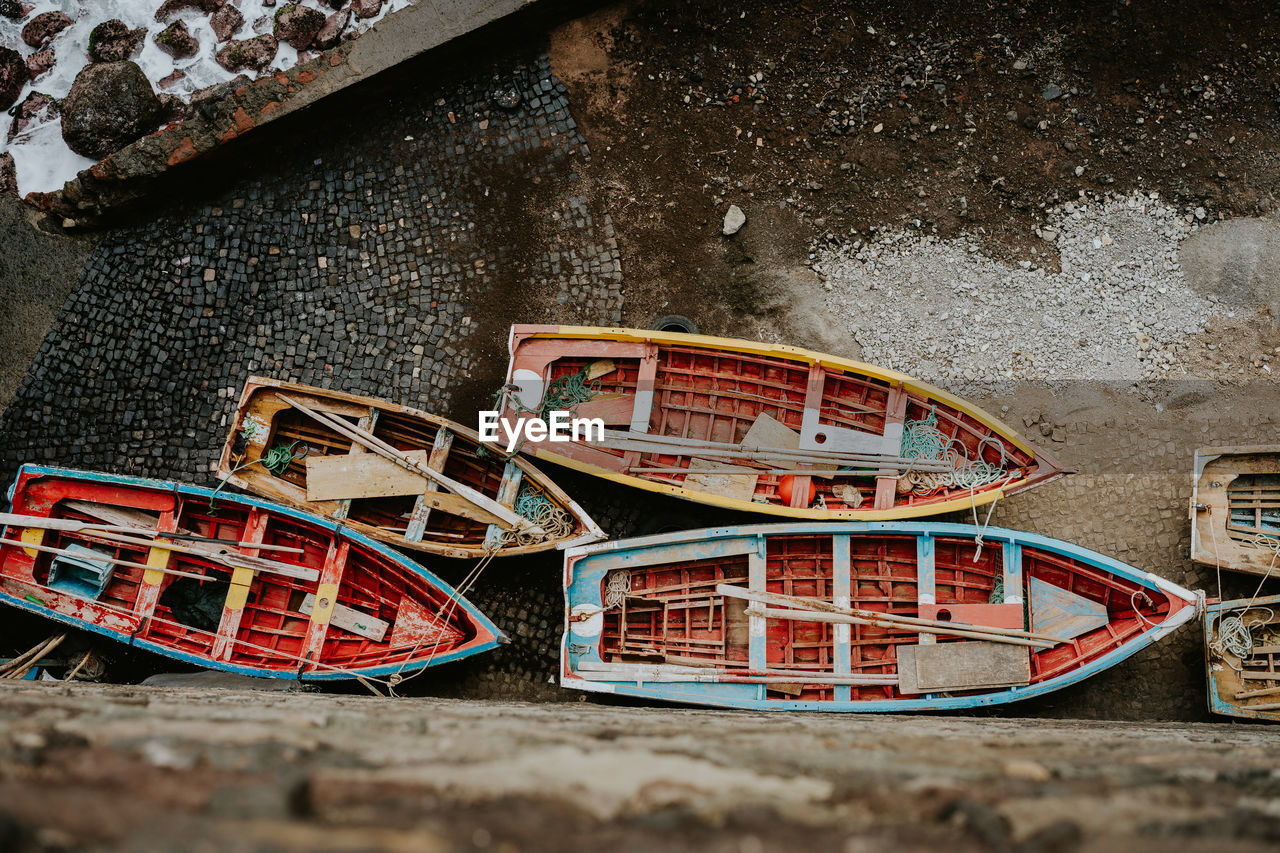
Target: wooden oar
(842,619)
(672,673)
(49,549)
(385,450)
(70,525)
(743,449)
(129,518)
(824,473)
(908,621)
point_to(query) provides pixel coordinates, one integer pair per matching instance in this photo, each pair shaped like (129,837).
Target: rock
(366,8)
(171,80)
(13,76)
(734,219)
(1237,260)
(506,97)
(226,21)
(113,41)
(8,175)
(42,29)
(172,7)
(175,109)
(1023,768)
(331,33)
(109,106)
(298,25)
(255,53)
(40,62)
(1052,92)
(32,107)
(12,10)
(176,41)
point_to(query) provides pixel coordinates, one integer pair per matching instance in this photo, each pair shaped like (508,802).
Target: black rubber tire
(675,323)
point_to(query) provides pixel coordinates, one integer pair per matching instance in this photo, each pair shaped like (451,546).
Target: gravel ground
(1116,306)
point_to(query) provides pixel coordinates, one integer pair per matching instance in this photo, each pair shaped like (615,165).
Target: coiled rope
(922,440)
(563,394)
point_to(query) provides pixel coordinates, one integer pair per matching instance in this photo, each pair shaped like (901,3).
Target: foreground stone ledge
(235,108)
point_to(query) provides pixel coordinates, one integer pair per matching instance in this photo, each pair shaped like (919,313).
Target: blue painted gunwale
(1217,704)
(32,470)
(583,585)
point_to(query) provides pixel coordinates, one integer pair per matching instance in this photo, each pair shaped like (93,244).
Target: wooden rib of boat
(860,616)
(1242,657)
(249,587)
(1235,508)
(738,423)
(335,473)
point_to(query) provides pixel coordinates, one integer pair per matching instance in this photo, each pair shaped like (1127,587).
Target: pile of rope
(534,506)
(276,460)
(616,588)
(563,394)
(921,439)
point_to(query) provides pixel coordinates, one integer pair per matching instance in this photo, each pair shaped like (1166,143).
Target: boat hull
(715,392)
(679,638)
(403,519)
(1235,508)
(337,606)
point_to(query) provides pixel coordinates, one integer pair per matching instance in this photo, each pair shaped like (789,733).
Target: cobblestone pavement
(140,768)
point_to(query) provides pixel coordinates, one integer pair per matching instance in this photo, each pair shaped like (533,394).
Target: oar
(385,450)
(70,525)
(908,621)
(104,558)
(842,619)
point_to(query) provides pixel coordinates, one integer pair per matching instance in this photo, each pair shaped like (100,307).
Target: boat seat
(82,572)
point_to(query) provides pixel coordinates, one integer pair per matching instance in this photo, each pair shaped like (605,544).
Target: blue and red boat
(861,616)
(226,582)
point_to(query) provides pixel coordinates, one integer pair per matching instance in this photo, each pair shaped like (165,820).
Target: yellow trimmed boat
(762,427)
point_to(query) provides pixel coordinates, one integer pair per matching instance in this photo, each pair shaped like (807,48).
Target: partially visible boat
(1242,656)
(1235,508)
(232,583)
(762,427)
(322,451)
(862,616)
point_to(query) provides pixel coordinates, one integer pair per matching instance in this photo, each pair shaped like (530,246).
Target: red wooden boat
(249,586)
(860,616)
(764,428)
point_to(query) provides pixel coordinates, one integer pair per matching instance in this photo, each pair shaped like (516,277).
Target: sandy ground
(172,769)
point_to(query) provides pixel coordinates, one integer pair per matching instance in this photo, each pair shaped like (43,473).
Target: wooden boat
(860,616)
(762,427)
(246,586)
(1235,508)
(1242,650)
(333,469)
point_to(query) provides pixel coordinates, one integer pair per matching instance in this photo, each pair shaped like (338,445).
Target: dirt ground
(826,120)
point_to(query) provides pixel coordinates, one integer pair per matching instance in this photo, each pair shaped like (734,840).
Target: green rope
(276,460)
(921,439)
(563,394)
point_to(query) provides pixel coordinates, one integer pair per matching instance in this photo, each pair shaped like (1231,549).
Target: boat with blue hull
(860,616)
(226,581)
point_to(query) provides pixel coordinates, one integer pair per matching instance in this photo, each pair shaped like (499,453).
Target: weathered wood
(767,431)
(840,618)
(377,445)
(1064,614)
(349,619)
(828,607)
(48,549)
(717,478)
(70,525)
(961,666)
(225,556)
(362,475)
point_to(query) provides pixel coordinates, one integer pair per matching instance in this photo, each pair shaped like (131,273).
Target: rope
(616,588)
(982,529)
(1235,636)
(533,505)
(276,460)
(563,394)
(922,440)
